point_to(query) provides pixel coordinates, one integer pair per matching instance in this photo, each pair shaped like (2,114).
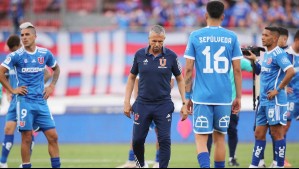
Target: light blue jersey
(273,69)
(213,49)
(294,84)
(29,68)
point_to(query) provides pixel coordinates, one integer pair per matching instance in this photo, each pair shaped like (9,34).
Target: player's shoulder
(42,50)
(141,52)
(279,51)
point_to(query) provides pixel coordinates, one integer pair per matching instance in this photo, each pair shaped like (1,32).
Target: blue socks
(157,156)
(55,162)
(131,155)
(220,164)
(26,165)
(258,152)
(280,151)
(6,147)
(204,160)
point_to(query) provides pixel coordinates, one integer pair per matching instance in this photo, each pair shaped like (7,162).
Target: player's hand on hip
(290,90)
(272,94)
(20,90)
(127,110)
(48,91)
(236,106)
(184,112)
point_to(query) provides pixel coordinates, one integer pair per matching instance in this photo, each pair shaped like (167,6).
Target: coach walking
(155,65)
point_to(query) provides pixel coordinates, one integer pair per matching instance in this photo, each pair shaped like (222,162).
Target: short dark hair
(215,9)
(273,29)
(283,31)
(296,35)
(13,41)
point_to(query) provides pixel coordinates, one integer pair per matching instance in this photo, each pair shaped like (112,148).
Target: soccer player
(276,73)
(213,50)
(155,65)
(232,131)
(131,160)
(13,43)
(32,110)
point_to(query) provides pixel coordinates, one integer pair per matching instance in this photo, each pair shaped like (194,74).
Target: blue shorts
(272,115)
(34,113)
(293,111)
(207,119)
(12,112)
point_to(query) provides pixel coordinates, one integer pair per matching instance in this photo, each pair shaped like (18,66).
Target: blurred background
(95,41)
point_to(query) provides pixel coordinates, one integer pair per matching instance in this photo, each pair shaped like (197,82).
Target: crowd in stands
(172,14)
(184,14)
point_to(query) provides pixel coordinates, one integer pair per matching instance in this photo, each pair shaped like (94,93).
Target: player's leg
(202,127)
(8,141)
(221,119)
(10,126)
(142,121)
(233,139)
(277,117)
(157,159)
(210,143)
(45,121)
(260,137)
(25,126)
(162,118)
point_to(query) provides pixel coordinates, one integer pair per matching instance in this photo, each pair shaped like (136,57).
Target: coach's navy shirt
(155,75)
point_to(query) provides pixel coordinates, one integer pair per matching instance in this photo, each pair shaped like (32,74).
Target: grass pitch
(113,155)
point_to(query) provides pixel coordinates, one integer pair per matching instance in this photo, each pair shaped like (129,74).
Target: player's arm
(181,85)
(238,83)
(188,82)
(49,90)
(136,88)
(47,75)
(129,90)
(20,90)
(290,73)
(257,67)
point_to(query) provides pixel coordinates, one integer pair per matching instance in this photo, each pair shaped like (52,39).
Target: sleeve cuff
(189,57)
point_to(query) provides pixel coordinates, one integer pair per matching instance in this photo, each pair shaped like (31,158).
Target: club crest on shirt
(269,61)
(25,60)
(162,63)
(41,60)
(22,123)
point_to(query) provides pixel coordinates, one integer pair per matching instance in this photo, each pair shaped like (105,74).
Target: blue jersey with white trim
(29,68)
(12,81)
(273,69)
(294,84)
(213,49)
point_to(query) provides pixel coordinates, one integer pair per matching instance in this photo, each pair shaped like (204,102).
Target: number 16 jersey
(213,49)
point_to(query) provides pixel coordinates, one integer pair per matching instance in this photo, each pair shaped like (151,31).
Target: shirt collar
(147,49)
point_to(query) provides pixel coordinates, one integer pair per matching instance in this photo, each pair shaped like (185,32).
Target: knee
(53,138)
(259,135)
(276,135)
(8,130)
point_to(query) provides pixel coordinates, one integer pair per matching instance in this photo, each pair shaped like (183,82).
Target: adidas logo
(145,62)
(168,116)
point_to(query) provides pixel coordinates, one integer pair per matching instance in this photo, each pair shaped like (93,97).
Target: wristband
(278,89)
(188,95)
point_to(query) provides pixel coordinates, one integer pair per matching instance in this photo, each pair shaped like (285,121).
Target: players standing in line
(213,50)
(13,43)
(32,110)
(155,66)
(276,73)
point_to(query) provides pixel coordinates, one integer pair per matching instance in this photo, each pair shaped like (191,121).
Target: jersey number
(217,60)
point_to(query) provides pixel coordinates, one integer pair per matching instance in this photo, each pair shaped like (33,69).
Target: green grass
(113,155)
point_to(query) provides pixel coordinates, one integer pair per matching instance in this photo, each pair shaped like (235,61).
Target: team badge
(25,60)
(163,63)
(269,61)
(22,123)
(41,60)
(136,116)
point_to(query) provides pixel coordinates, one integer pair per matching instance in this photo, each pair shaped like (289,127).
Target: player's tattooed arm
(49,90)
(188,74)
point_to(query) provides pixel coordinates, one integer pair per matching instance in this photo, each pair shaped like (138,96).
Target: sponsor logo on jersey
(7,60)
(32,70)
